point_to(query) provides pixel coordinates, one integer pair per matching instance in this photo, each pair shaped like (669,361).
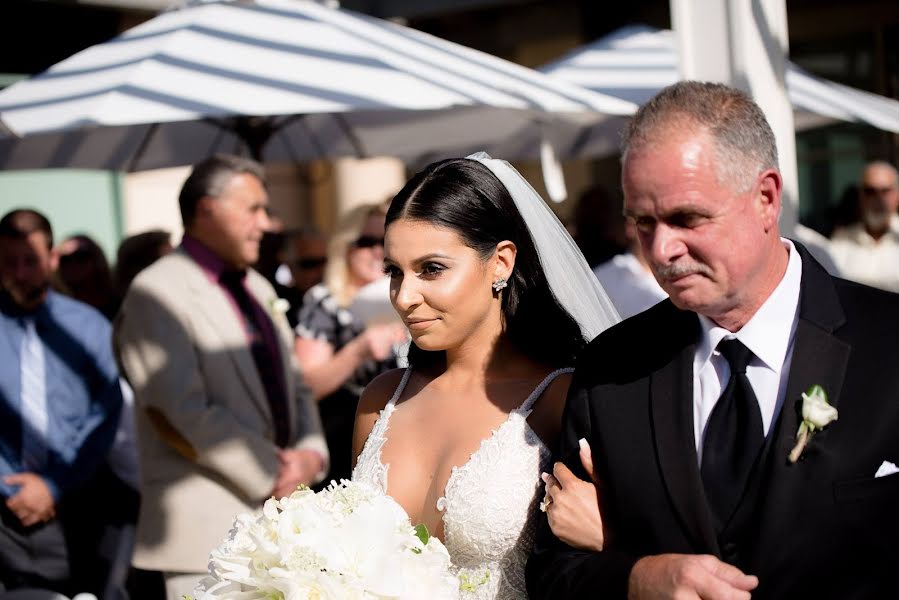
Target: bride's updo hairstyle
(466,197)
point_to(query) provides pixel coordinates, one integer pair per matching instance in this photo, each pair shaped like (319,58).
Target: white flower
(349,541)
(815,408)
(279,306)
(817,413)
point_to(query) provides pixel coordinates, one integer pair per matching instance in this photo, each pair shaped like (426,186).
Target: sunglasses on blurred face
(871,190)
(368,241)
(308,264)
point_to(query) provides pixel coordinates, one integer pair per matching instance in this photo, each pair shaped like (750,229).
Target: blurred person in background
(272,253)
(628,280)
(307,253)
(339,352)
(59,407)
(868,251)
(223,417)
(136,253)
(84,274)
(597,225)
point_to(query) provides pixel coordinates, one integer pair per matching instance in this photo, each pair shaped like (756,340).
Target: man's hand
(33,503)
(573,508)
(688,577)
(297,467)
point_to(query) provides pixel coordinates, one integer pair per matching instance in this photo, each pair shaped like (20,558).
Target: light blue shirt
(83,401)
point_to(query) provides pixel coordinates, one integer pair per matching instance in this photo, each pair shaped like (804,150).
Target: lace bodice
(490,503)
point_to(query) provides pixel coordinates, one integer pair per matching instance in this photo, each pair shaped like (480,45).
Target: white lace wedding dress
(490,503)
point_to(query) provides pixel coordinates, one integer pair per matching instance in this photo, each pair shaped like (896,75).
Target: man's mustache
(680,269)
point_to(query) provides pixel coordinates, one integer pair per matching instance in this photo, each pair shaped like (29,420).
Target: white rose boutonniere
(278,306)
(817,413)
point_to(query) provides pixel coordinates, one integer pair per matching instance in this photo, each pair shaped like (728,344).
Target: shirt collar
(209,261)
(764,334)
(13,310)
(861,236)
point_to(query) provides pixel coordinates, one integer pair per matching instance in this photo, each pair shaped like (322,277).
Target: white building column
(744,44)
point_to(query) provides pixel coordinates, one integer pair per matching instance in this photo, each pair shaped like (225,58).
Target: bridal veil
(570,278)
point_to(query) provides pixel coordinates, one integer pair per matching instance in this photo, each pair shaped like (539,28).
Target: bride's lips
(419,324)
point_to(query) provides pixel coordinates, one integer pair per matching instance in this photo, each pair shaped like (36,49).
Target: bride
(498,301)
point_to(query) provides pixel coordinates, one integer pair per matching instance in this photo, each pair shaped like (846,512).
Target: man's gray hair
(744,143)
(210,177)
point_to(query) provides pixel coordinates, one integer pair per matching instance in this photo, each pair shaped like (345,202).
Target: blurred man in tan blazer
(223,418)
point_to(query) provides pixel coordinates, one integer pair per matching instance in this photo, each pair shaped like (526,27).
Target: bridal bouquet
(349,541)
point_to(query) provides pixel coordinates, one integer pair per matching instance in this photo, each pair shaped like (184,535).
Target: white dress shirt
(630,286)
(769,334)
(863,259)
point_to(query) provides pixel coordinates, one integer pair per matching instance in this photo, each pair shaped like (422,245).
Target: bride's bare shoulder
(379,391)
(546,418)
(373,400)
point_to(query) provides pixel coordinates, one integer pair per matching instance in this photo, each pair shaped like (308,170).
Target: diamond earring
(499,285)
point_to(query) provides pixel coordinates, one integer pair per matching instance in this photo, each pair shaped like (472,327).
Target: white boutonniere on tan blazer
(278,307)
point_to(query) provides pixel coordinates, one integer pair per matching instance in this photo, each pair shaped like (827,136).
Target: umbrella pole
(255,133)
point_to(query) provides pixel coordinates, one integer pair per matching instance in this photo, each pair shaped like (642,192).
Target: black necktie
(266,359)
(733,438)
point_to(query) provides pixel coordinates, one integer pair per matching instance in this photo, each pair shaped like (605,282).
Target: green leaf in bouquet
(421,532)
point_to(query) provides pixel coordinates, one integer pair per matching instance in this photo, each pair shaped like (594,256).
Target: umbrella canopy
(284,80)
(635,62)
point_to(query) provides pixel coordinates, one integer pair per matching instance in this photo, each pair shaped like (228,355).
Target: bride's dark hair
(466,197)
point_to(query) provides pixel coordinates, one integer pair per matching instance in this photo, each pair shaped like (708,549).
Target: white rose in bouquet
(349,541)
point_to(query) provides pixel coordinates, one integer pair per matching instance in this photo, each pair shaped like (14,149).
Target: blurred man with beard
(868,251)
(59,408)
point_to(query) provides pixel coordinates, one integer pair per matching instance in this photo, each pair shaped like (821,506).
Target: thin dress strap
(400,387)
(538,391)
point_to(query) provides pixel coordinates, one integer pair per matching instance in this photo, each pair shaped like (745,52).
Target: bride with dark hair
(498,302)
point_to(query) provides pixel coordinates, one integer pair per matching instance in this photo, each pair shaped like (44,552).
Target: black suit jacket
(824,527)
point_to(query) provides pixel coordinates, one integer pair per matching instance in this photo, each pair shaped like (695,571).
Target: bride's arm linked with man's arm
(622,568)
(573,508)
(575,568)
(573,505)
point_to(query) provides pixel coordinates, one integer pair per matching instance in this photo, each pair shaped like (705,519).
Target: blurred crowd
(147,402)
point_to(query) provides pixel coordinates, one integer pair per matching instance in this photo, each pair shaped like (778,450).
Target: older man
(222,416)
(692,408)
(868,251)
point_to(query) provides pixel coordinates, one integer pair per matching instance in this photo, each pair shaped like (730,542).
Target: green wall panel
(75,201)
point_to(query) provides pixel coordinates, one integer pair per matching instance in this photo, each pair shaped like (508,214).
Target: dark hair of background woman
(465,196)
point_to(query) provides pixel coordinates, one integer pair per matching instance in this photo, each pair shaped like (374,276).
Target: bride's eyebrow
(422,259)
(431,256)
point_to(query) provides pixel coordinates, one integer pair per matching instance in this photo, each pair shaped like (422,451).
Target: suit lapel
(211,302)
(820,358)
(671,400)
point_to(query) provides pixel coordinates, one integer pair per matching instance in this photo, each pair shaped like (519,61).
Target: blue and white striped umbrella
(635,62)
(284,80)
